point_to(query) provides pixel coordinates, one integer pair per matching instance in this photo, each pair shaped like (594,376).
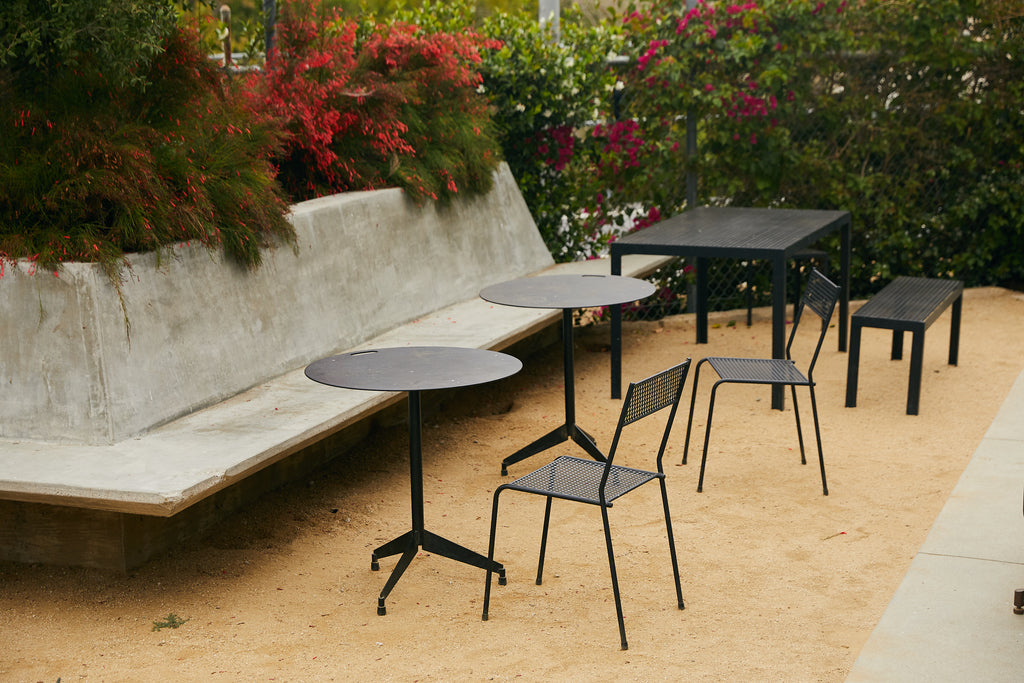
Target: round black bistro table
(567,292)
(415,369)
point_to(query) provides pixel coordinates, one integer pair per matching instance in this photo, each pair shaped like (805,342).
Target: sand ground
(781,583)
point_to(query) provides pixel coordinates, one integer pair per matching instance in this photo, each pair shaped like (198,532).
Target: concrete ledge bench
(907,304)
(113,449)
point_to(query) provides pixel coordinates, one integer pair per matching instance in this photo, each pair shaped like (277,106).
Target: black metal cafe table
(415,369)
(743,233)
(567,292)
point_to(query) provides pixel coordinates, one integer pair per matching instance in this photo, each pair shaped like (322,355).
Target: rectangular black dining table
(742,233)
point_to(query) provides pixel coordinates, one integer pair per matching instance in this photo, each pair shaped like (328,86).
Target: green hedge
(908,113)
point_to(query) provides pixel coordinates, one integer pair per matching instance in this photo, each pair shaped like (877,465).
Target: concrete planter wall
(203,330)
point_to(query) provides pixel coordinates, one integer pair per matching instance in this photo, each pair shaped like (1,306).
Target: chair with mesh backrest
(601,483)
(820,298)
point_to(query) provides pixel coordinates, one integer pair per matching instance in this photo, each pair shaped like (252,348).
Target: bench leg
(897,345)
(954,331)
(853,365)
(916,363)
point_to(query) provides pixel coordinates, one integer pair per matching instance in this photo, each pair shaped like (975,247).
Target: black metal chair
(600,483)
(820,298)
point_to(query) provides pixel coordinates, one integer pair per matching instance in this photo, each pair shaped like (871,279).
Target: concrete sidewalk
(951,619)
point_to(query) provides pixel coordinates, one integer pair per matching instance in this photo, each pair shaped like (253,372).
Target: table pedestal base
(551,439)
(409,543)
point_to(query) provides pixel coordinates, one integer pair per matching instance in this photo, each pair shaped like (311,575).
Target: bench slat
(912,300)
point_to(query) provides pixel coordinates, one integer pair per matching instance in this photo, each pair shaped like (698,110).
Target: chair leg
(671,543)
(707,436)
(615,578)
(799,431)
(490,551)
(693,399)
(543,541)
(817,433)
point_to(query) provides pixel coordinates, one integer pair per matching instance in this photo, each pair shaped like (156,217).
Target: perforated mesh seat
(757,370)
(600,483)
(580,480)
(820,298)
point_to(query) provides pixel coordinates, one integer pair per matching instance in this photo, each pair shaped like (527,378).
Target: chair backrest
(819,297)
(647,397)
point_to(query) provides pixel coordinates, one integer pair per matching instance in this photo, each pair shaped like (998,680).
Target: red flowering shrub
(376,106)
(91,169)
(733,67)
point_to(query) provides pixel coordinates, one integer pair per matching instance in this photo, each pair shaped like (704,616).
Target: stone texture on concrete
(201,332)
(170,467)
(114,447)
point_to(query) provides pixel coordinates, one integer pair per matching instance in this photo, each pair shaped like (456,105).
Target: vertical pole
(548,11)
(691,145)
(269,24)
(567,362)
(702,300)
(416,465)
(225,18)
(779,324)
(616,332)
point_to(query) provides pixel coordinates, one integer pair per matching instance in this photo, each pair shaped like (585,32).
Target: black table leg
(439,545)
(549,440)
(778,324)
(616,340)
(409,545)
(569,430)
(844,282)
(702,300)
(411,541)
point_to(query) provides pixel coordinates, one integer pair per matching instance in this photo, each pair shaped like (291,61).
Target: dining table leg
(844,282)
(702,300)
(778,324)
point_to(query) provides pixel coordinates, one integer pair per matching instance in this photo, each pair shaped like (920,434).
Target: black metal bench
(907,304)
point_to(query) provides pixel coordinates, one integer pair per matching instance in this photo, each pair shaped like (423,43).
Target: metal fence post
(548,11)
(225,18)
(269,24)
(691,145)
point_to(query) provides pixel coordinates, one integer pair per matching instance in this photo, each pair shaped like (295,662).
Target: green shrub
(39,40)
(546,96)
(906,113)
(94,166)
(919,134)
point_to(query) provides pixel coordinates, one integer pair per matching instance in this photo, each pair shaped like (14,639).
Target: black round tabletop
(412,368)
(567,291)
